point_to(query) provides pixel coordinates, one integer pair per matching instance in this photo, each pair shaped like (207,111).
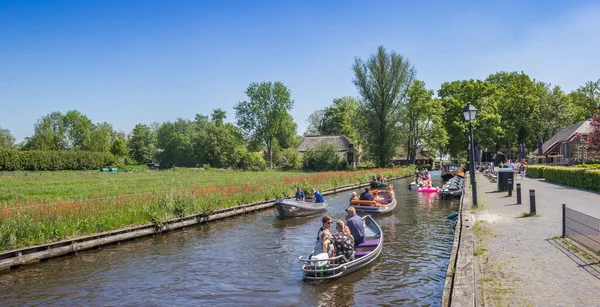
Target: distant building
(153,166)
(566,145)
(340,142)
(423,157)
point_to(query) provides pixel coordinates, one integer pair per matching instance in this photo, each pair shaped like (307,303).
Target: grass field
(48,206)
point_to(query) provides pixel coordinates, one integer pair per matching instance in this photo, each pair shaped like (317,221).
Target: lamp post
(470,112)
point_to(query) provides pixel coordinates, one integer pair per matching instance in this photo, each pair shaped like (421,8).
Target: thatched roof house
(340,142)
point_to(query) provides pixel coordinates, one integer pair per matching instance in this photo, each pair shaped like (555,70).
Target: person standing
(356,225)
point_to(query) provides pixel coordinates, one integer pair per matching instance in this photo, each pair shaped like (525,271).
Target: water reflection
(250,260)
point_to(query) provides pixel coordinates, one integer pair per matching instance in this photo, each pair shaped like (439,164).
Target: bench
(369,243)
(360,254)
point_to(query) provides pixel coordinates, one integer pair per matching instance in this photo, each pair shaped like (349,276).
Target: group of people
(317,196)
(379,200)
(423,178)
(379,178)
(520,167)
(349,235)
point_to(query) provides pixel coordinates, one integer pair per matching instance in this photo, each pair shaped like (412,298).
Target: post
(472,167)
(564,220)
(509,187)
(532,201)
(518,193)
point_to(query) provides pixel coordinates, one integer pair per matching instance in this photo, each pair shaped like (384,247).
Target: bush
(253,161)
(575,177)
(323,157)
(290,159)
(535,171)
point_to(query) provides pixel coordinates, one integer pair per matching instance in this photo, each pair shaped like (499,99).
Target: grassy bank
(44,207)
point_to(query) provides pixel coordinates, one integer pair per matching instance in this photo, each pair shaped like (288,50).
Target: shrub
(323,157)
(37,160)
(290,159)
(253,161)
(535,171)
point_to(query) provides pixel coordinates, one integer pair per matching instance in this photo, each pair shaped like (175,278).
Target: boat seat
(369,243)
(360,254)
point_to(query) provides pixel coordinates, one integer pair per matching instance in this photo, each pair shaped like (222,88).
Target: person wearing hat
(356,225)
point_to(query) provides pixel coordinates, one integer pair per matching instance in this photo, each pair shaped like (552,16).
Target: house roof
(566,134)
(341,142)
(422,154)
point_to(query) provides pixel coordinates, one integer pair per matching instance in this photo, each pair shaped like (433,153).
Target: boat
(453,188)
(378,185)
(364,207)
(288,208)
(428,189)
(451,170)
(320,269)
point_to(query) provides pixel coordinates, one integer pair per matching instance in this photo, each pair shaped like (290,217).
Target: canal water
(250,260)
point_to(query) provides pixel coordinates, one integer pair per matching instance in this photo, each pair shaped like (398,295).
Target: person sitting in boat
(356,226)
(299,194)
(353,196)
(323,236)
(390,192)
(366,195)
(343,242)
(373,179)
(429,181)
(378,200)
(317,197)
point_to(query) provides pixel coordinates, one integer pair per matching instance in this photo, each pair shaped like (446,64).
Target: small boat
(453,188)
(451,170)
(428,189)
(378,185)
(364,207)
(316,269)
(288,208)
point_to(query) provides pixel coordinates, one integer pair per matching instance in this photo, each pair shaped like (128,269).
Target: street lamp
(470,112)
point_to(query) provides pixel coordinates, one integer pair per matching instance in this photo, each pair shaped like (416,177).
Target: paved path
(525,265)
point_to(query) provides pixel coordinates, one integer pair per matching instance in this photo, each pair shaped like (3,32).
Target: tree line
(394,110)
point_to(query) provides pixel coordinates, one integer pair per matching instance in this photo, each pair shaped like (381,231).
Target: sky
(130,62)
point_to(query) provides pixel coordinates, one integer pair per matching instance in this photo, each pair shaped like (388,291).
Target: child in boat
(343,242)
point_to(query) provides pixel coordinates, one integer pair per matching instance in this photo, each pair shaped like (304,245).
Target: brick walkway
(525,264)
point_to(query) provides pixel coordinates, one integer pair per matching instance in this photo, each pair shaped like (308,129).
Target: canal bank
(18,257)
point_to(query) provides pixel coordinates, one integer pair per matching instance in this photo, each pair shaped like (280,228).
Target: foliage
(575,177)
(142,144)
(119,147)
(7,140)
(422,121)
(382,81)
(49,134)
(592,141)
(535,171)
(341,118)
(101,138)
(323,157)
(487,130)
(219,144)
(34,160)
(77,127)
(314,121)
(585,100)
(265,116)
(290,159)
(253,161)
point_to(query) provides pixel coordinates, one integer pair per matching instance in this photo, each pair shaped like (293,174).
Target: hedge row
(588,179)
(34,160)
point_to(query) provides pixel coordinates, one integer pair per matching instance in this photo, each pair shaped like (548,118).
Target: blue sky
(130,62)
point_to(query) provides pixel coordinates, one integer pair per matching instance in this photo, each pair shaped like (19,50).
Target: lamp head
(469,112)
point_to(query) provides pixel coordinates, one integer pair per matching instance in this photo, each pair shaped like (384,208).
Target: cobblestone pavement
(526,264)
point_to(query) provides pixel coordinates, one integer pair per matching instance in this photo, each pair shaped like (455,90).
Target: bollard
(518,193)
(510,187)
(564,220)
(532,201)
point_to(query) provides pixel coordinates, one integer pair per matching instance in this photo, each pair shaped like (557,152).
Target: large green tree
(77,128)
(142,144)
(341,118)
(7,140)
(487,131)
(265,115)
(315,122)
(49,134)
(422,121)
(100,138)
(382,81)
(585,100)
(176,143)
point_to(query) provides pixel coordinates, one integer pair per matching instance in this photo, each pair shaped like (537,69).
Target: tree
(383,82)
(263,117)
(218,116)
(6,139)
(554,112)
(220,144)
(487,132)
(119,147)
(100,138)
(323,157)
(341,118)
(142,144)
(315,121)
(422,121)
(77,128)
(176,143)
(585,100)
(49,134)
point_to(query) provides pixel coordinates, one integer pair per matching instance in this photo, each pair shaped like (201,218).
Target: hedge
(588,179)
(35,160)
